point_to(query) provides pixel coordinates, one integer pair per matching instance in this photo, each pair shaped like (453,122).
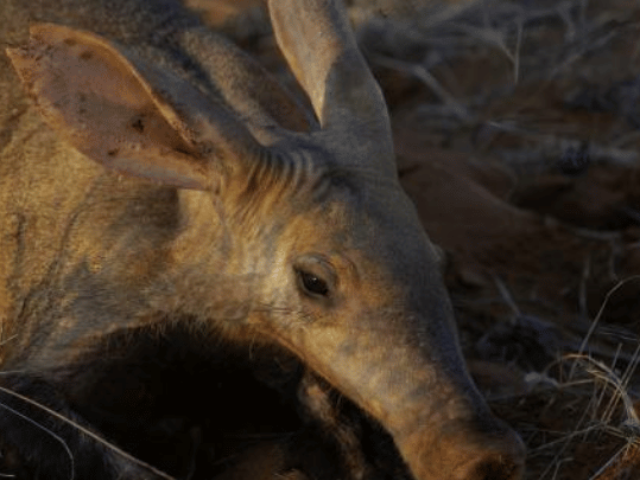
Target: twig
(429,80)
(82,429)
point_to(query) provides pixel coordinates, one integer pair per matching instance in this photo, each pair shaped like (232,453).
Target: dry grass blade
(422,74)
(597,318)
(601,372)
(626,426)
(57,438)
(80,428)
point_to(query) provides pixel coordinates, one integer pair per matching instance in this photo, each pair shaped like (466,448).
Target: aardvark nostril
(465,451)
(502,460)
(495,467)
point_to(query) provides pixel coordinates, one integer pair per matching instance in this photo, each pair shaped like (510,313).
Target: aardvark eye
(313,284)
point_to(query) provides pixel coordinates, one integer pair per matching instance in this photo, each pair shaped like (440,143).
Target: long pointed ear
(132,118)
(319,45)
(254,94)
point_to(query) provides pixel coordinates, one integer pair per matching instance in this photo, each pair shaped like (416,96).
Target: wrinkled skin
(175,182)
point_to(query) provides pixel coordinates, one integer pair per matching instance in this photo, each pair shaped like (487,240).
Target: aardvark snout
(467,452)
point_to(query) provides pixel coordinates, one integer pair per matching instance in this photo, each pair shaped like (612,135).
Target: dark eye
(313,284)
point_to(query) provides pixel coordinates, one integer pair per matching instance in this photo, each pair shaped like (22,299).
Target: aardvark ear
(129,115)
(320,47)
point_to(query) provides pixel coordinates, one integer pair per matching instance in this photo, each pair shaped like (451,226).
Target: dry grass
(550,90)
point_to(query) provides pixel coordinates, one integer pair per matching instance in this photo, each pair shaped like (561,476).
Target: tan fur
(158,174)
